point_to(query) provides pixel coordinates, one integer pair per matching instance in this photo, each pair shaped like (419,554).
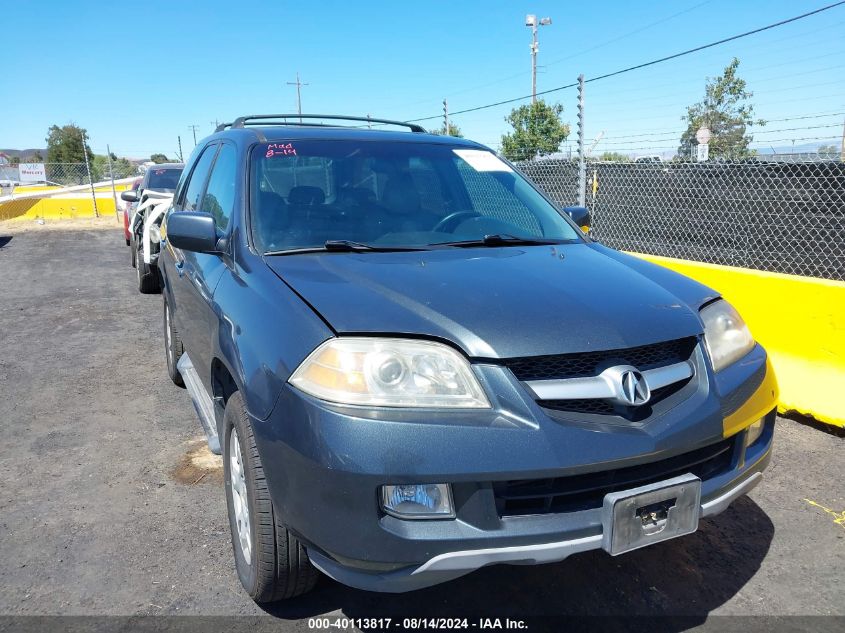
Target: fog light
(418,501)
(753,432)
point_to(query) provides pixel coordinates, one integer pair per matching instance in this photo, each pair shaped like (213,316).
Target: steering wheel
(440,227)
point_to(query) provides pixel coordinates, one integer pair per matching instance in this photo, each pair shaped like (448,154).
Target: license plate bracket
(638,517)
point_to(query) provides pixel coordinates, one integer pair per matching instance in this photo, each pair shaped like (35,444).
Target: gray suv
(415,364)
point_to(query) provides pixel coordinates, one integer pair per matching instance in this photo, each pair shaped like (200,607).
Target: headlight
(725,333)
(388,372)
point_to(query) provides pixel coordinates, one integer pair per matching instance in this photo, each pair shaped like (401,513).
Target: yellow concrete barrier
(801,323)
(55,188)
(55,208)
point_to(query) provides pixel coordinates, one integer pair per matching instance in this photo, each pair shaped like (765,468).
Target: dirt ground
(26,225)
(111,505)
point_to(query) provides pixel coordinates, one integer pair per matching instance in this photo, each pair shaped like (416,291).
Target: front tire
(271,563)
(148,283)
(173,347)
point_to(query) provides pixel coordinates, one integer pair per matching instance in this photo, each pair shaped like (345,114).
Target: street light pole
(298,85)
(531,20)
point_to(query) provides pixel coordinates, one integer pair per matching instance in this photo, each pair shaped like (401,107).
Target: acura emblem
(634,390)
(628,385)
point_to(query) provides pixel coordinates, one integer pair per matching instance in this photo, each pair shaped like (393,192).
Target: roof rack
(272,119)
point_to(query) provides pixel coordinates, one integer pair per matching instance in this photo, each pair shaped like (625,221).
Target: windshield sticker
(481,160)
(280,149)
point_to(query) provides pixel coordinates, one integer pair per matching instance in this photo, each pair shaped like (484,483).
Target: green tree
(537,131)
(727,111)
(99,167)
(454,130)
(158,159)
(123,168)
(614,157)
(65,144)
(829,152)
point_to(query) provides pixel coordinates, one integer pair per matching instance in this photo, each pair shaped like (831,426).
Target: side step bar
(203,403)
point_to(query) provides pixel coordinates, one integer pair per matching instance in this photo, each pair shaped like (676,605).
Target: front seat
(306,196)
(272,218)
(402,202)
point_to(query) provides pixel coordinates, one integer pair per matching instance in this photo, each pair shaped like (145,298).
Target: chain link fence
(786,217)
(70,174)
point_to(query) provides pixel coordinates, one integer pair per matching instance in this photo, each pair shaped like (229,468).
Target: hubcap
(239,498)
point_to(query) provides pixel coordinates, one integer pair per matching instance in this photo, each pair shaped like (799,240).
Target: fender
(260,366)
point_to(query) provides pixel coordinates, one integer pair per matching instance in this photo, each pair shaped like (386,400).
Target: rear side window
(163,179)
(219,198)
(196,184)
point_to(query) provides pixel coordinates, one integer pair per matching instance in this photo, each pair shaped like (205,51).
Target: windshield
(163,179)
(305,193)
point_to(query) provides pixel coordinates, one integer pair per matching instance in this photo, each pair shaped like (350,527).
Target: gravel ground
(111,505)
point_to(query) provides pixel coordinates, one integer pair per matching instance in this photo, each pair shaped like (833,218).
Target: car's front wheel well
(223,385)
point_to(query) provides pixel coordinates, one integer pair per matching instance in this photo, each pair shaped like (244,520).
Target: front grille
(560,366)
(606,407)
(584,492)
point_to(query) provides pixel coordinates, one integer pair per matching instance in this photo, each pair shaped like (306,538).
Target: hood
(500,302)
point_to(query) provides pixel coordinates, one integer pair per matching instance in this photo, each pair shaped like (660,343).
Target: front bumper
(451,565)
(325,464)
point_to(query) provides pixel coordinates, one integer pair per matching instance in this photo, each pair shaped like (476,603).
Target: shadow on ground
(806,420)
(690,577)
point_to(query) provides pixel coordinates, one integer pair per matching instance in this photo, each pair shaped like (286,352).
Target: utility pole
(216,124)
(179,140)
(113,190)
(90,180)
(194,129)
(531,21)
(582,162)
(369,123)
(298,85)
(445,118)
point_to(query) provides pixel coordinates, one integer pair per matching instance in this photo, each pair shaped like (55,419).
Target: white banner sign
(32,172)
(702,152)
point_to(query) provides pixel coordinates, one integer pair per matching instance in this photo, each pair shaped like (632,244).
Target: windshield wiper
(345,246)
(503,239)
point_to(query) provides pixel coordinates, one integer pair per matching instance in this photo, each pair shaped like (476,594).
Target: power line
(679,132)
(717,43)
(765,142)
(809,116)
(645,64)
(662,131)
(587,50)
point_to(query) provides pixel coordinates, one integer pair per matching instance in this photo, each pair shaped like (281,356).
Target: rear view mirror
(129,196)
(192,231)
(579,215)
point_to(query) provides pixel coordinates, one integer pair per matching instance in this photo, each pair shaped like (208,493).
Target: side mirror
(129,196)
(579,215)
(192,231)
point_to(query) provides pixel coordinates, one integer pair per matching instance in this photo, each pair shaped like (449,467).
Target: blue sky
(198,62)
